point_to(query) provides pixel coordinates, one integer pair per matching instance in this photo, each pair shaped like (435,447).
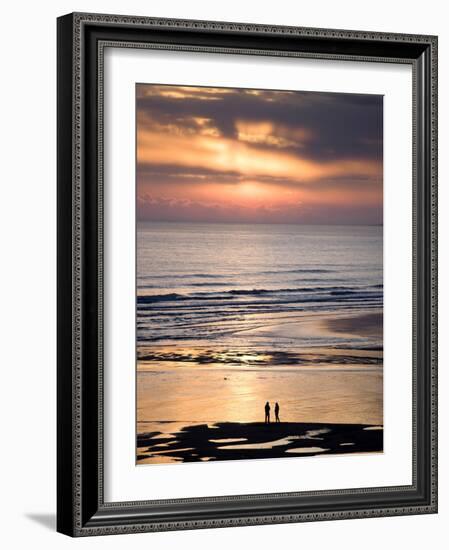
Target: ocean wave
(224,295)
(182,276)
(299,270)
(185,311)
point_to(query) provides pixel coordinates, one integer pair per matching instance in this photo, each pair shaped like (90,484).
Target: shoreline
(295,345)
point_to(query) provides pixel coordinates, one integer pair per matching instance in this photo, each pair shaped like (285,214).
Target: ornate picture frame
(81,507)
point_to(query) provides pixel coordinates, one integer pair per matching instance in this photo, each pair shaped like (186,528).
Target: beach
(335,387)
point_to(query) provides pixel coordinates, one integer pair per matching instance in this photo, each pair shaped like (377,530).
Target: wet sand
(370,324)
(255,440)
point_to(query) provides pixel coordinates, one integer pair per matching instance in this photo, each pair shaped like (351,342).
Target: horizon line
(198,222)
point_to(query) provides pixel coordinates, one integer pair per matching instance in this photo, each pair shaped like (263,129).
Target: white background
(123,481)
(27,301)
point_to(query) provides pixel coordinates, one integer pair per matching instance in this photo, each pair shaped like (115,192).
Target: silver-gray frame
(82,39)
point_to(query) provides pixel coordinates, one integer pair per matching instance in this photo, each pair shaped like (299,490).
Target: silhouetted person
(267,413)
(276,412)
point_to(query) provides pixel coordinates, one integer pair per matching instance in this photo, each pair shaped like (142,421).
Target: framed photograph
(247,283)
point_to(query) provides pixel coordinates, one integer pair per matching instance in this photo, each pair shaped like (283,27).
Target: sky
(258,156)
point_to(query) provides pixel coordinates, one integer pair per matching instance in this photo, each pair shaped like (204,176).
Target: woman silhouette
(276,412)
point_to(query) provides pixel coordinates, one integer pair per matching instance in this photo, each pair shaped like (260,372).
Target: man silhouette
(267,413)
(276,411)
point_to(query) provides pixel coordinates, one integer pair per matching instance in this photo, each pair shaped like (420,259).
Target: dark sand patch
(258,440)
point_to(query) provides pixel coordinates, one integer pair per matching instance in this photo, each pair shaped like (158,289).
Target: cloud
(341,124)
(218,153)
(179,210)
(256,154)
(268,133)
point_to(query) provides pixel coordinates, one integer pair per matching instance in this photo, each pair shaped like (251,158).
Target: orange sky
(231,155)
